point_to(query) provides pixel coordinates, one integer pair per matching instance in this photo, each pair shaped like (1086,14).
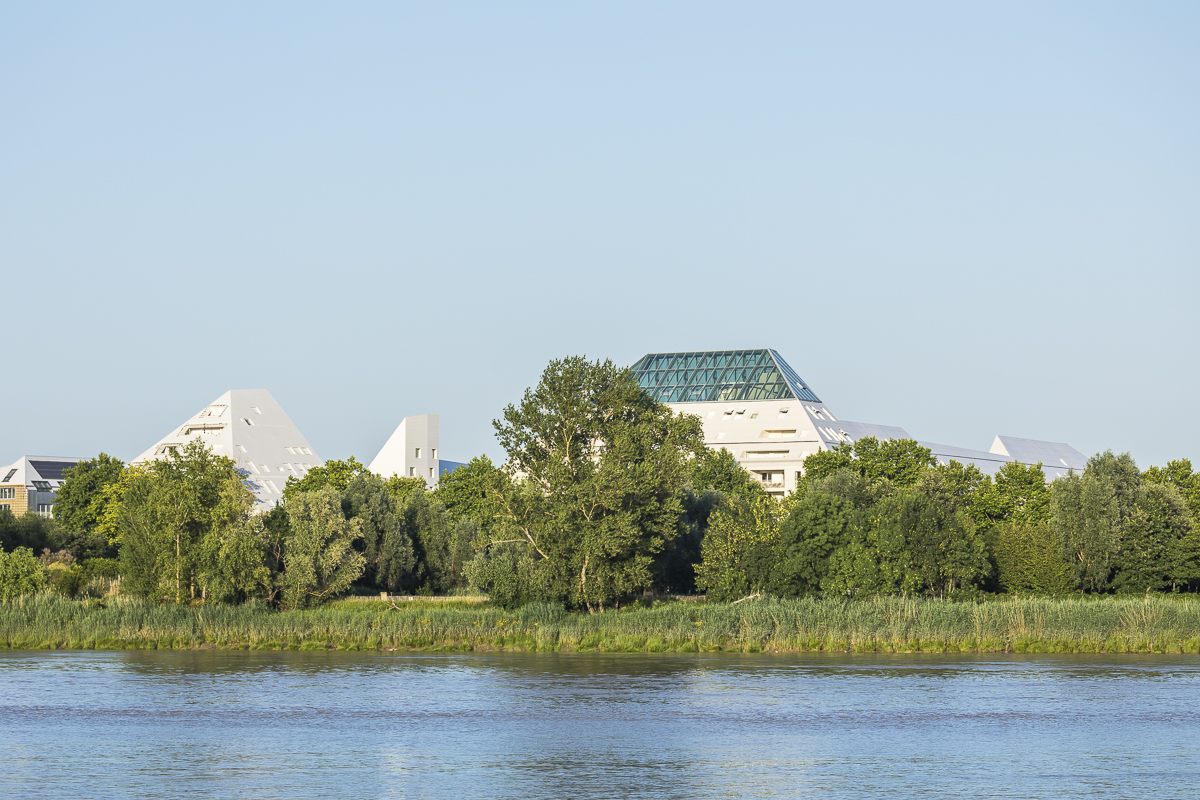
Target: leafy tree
(675,566)
(469,492)
(21,573)
(1018,494)
(386,544)
(809,536)
(1028,559)
(740,534)
(1179,474)
(507,573)
(1086,516)
(900,461)
(30,530)
(717,469)
(401,488)
(172,517)
(335,474)
(81,501)
(232,560)
(1159,549)
(593,481)
(319,557)
(954,486)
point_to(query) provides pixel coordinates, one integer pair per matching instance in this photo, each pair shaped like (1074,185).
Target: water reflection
(237,724)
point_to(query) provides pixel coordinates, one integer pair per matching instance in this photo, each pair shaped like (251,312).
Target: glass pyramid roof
(719,375)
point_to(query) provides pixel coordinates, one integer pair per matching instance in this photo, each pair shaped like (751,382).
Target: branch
(748,597)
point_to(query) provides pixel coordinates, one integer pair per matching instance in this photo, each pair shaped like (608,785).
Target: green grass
(1024,625)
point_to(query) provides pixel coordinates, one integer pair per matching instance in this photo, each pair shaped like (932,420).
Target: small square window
(241,448)
(418,452)
(247,421)
(255,409)
(433,453)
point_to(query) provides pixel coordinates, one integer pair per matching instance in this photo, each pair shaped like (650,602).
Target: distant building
(31,483)
(751,403)
(249,427)
(412,451)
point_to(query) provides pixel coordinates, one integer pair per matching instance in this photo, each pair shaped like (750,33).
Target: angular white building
(751,403)
(412,452)
(248,426)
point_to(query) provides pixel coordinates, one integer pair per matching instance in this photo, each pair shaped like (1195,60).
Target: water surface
(291,725)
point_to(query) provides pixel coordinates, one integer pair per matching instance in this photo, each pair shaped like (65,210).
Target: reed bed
(1152,624)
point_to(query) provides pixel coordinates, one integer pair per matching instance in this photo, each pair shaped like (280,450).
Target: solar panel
(52,470)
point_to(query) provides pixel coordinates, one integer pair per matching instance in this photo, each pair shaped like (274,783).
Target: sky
(964,219)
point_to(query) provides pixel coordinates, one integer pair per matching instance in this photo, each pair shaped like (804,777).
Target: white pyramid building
(248,426)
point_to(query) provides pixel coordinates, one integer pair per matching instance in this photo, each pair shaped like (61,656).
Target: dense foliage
(606,493)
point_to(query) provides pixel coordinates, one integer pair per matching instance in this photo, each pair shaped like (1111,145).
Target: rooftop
(719,376)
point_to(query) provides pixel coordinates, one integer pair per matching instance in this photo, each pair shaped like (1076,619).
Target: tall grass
(886,624)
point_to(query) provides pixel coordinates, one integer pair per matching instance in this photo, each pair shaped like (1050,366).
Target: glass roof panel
(720,375)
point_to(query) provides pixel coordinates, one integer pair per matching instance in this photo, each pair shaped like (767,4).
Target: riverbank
(890,624)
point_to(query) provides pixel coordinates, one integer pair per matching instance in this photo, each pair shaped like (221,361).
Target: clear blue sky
(964,219)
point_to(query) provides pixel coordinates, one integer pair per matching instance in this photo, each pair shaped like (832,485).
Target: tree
(1018,494)
(172,518)
(1086,516)
(1028,559)
(21,573)
(741,536)
(592,484)
(1179,474)
(387,545)
(1158,547)
(81,501)
(433,538)
(717,469)
(319,557)
(469,492)
(900,461)
(335,474)
(816,528)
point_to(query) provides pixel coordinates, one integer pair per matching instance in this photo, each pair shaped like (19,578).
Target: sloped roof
(1031,451)
(250,427)
(28,469)
(719,376)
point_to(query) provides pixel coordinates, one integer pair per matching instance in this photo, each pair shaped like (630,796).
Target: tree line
(606,493)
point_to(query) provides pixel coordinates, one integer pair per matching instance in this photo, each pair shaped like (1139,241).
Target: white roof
(249,427)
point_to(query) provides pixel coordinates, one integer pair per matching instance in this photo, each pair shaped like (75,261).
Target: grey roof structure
(719,376)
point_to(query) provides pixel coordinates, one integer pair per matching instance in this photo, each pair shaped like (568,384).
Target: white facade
(249,427)
(412,451)
(779,421)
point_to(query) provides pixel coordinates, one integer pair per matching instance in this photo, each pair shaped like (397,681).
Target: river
(356,725)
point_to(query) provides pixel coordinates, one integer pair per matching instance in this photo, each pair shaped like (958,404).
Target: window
(431,472)
(241,448)
(8,494)
(6,507)
(754,415)
(271,485)
(412,472)
(42,486)
(45,508)
(418,452)
(250,464)
(247,421)
(433,453)
(307,452)
(255,409)
(264,467)
(8,477)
